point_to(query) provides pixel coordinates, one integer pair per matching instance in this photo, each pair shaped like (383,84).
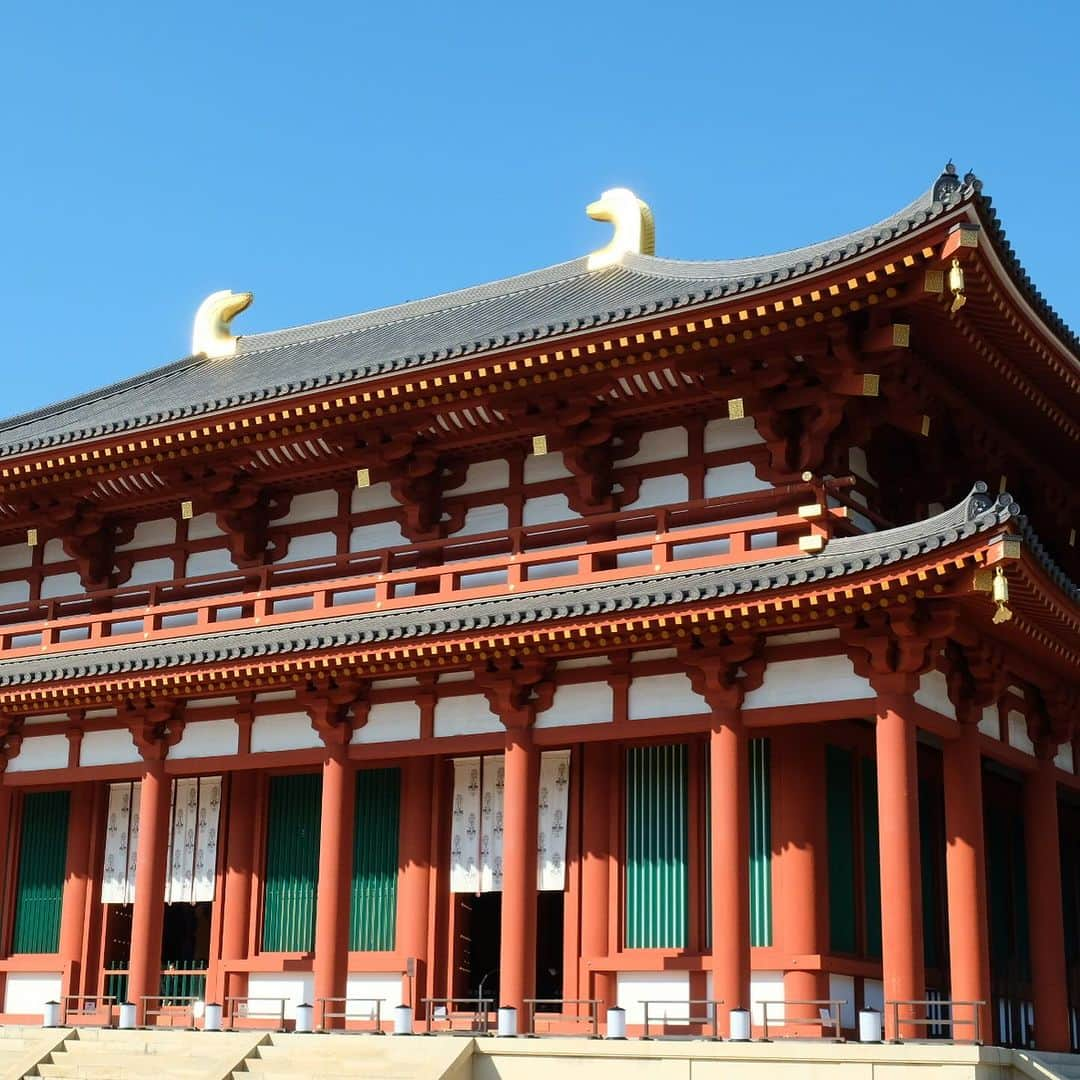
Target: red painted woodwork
(77,887)
(414,876)
(239,833)
(601,766)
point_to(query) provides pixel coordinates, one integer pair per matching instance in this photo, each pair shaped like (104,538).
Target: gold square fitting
(31,538)
(813,542)
(539,445)
(924,427)
(811,510)
(871,384)
(901,334)
(187,510)
(983,581)
(934,281)
(969,234)
(735,409)
(1011,547)
(363,478)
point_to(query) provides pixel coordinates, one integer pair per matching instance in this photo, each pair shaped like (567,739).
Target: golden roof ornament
(635,230)
(211,334)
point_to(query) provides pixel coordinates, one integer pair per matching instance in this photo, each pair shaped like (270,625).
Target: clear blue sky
(334,157)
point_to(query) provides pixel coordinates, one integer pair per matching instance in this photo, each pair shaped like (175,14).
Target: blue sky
(334,157)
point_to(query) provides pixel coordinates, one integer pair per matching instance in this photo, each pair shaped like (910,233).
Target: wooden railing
(653,542)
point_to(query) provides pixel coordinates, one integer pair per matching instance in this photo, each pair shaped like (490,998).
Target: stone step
(122,1068)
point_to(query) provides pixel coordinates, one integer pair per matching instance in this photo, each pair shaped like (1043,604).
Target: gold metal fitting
(363,478)
(31,538)
(1000,596)
(811,510)
(735,409)
(956,285)
(539,445)
(187,510)
(813,542)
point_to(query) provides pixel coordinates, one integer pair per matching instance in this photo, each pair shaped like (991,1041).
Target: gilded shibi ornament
(211,335)
(635,230)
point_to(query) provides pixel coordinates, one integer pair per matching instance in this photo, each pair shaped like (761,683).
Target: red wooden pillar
(414,879)
(601,762)
(77,882)
(799,865)
(239,871)
(517,948)
(335,878)
(729,796)
(148,912)
(1047,922)
(898,831)
(965,864)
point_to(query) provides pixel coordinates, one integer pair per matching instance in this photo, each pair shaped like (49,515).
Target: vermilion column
(414,879)
(517,948)
(148,911)
(239,870)
(601,760)
(335,879)
(799,845)
(898,831)
(76,887)
(965,864)
(1047,923)
(729,791)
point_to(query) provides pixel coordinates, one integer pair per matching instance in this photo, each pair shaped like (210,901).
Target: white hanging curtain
(476,846)
(191,865)
(121,844)
(554,804)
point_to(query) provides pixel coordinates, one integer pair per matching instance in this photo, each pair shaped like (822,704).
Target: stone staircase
(322,1057)
(1039,1065)
(22,1047)
(104,1054)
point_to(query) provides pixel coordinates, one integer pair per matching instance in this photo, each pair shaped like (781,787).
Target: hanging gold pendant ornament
(956,285)
(1000,595)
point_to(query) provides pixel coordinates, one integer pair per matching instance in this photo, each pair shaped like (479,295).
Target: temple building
(631,630)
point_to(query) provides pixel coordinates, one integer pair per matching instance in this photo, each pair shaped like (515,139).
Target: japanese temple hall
(629,630)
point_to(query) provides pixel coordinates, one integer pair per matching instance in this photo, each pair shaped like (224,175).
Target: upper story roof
(542,304)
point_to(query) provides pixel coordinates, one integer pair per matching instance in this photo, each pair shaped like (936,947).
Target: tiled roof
(530,307)
(843,557)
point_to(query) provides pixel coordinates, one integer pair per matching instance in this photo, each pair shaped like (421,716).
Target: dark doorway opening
(185,949)
(550,909)
(479,924)
(117,950)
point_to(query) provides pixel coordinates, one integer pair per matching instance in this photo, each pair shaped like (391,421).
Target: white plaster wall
(215,561)
(1018,733)
(373,984)
(311,506)
(43,752)
(578,703)
(151,534)
(149,570)
(1063,759)
(203,526)
(664,695)
(297,987)
(467,714)
(111,747)
(766,986)
(283,731)
(16,556)
(61,585)
(842,988)
(375,497)
(484,519)
(45,718)
(732,479)
(857,464)
(390,721)
(25,992)
(800,637)
(206,738)
(634,987)
(731,434)
(545,467)
(53,552)
(989,723)
(660,445)
(14,592)
(545,508)
(315,546)
(653,654)
(661,491)
(580,662)
(376,536)
(803,682)
(933,694)
(484,476)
